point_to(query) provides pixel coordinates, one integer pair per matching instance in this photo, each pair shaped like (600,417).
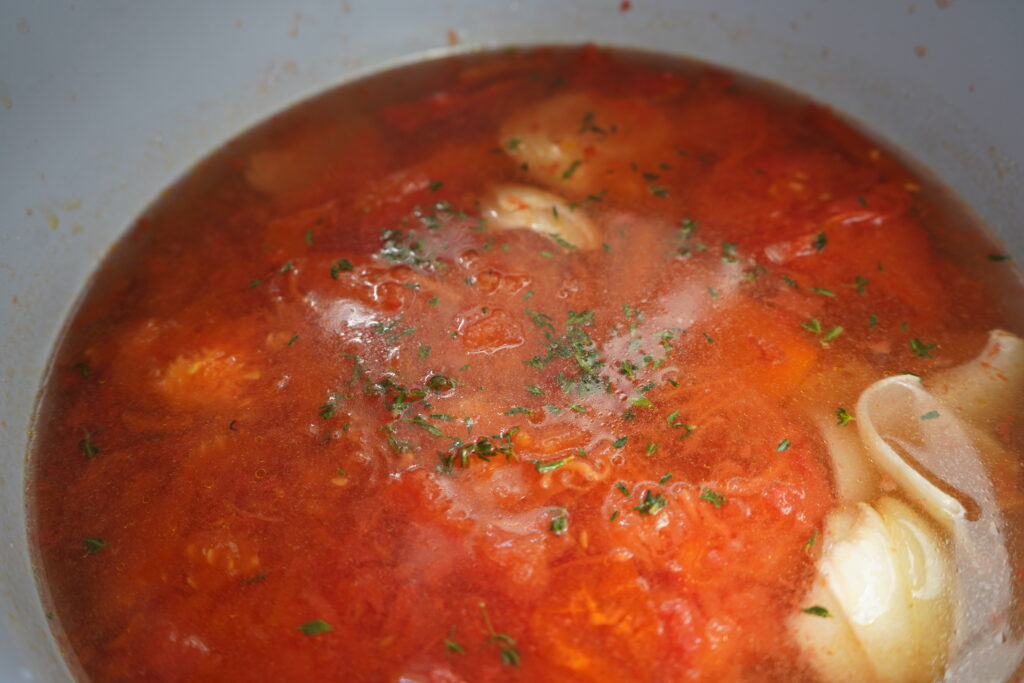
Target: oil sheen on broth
(565,364)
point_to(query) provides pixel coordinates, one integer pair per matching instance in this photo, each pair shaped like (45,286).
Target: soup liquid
(324,414)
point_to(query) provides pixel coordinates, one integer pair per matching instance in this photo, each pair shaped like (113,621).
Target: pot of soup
(598,342)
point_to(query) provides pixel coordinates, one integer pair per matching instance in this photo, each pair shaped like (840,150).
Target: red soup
(541,365)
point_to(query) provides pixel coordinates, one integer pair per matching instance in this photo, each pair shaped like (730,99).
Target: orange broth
(318,418)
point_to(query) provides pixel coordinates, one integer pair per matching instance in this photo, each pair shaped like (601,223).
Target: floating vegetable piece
(521,206)
(885,584)
(987,386)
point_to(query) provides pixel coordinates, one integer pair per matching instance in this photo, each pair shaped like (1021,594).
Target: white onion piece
(896,423)
(988,386)
(854,475)
(885,582)
(522,206)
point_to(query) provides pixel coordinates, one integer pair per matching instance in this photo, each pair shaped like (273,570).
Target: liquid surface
(332,410)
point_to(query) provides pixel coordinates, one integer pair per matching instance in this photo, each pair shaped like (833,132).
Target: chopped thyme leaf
(831,334)
(713,497)
(513,144)
(790,282)
(812,325)
(422,423)
(432,301)
(83,369)
(507,645)
(439,384)
(552,465)
(339,266)
(860,284)
(327,410)
(622,488)
(423,351)
(819,242)
(294,339)
(783,446)
(255,579)
(577,408)
(560,522)
(652,447)
(286,267)
(233,426)
(642,402)
(921,349)
(450,645)
(309,236)
(620,442)
(94,545)
(930,415)
(708,337)
(436,185)
(712,292)
(561,241)
(658,191)
(651,504)
(665,477)
(843,416)
(823,291)
(729,252)
(816,610)
(615,513)
(86,445)
(254,283)
(998,257)
(517,411)
(534,390)
(872,321)
(810,542)
(545,254)
(567,173)
(862,201)
(316,627)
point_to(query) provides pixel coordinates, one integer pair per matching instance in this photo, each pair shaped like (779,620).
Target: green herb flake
(615,513)
(451,646)
(309,236)
(713,497)
(920,349)
(94,545)
(254,283)
(831,334)
(872,321)
(517,410)
(294,339)
(316,627)
(567,173)
(652,448)
(86,445)
(823,292)
(286,267)
(783,446)
(552,465)
(83,369)
(339,266)
(811,541)
(812,325)
(664,478)
(436,185)
(816,610)
(432,301)
(423,351)
(998,257)
(513,144)
(506,644)
(843,416)
(658,191)
(930,415)
(651,504)
(534,390)
(819,241)
(620,442)
(622,488)
(560,522)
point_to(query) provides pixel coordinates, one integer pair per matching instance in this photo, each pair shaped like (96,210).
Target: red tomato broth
(252,414)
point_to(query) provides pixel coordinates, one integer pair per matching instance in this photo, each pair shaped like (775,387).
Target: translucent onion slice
(988,386)
(884,581)
(522,206)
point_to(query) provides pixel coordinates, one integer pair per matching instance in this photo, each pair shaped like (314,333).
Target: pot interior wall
(106,104)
